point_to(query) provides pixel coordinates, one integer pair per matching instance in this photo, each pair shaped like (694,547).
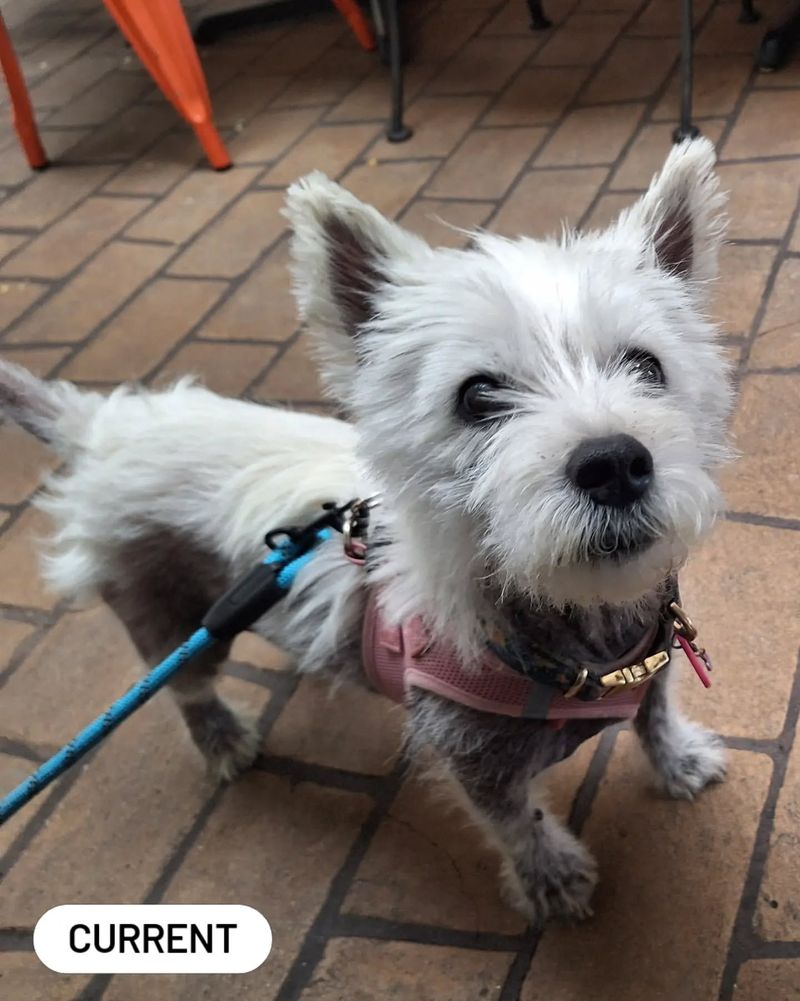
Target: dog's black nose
(614,471)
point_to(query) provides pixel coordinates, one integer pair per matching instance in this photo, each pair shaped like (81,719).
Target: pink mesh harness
(399,658)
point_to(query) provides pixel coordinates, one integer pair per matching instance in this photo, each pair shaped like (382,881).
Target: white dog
(542,420)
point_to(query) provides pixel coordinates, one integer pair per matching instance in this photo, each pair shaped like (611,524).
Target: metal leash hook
(685,635)
(354,528)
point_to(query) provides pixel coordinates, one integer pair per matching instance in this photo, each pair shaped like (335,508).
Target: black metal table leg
(748,14)
(686,130)
(398,131)
(539,20)
(778,44)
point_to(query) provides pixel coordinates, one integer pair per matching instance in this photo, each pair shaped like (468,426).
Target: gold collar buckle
(634,675)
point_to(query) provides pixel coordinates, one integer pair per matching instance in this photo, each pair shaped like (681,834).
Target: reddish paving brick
(329,78)
(78,669)
(66,245)
(156,170)
(50,195)
(101,101)
(487,163)
(145,330)
(361,970)
(636,69)
(262,308)
(664,887)
(232,244)
(778,913)
(778,342)
(20,583)
(536,96)
(429,864)
(271,133)
(304,833)
(591,135)
(12,635)
(769,979)
(14,168)
(9,242)
(191,205)
(484,64)
(743,565)
(226,368)
(767,475)
(293,377)
(388,186)
(41,361)
(16,297)
(13,771)
(244,96)
(337,146)
(446,223)
(89,298)
(23,977)
(543,199)
(253,650)
(24,462)
(581,40)
(317,726)
(165,786)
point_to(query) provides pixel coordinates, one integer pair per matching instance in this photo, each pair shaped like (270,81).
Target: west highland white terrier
(541,419)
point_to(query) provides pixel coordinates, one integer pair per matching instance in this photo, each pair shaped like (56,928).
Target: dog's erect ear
(681,213)
(344,252)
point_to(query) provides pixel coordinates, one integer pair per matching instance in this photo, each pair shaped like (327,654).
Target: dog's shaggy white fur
(472,379)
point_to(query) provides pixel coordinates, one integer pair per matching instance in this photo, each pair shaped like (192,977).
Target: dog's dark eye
(644,366)
(479,399)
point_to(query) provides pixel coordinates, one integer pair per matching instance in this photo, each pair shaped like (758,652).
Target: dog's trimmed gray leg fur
(685,756)
(547,872)
(162,586)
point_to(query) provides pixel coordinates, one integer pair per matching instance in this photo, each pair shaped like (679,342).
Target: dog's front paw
(688,765)
(557,883)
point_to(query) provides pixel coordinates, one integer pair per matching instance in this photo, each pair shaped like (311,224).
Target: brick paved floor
(130,260)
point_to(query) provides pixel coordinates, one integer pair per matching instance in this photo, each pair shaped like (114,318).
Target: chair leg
(24,120)
(356,22)
(686,130)
(158,32)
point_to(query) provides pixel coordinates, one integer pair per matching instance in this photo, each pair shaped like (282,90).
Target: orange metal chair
(158,32)
(24,122)
(356,22)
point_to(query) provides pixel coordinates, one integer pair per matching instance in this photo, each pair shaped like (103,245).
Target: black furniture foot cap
(399,134)
(680,134)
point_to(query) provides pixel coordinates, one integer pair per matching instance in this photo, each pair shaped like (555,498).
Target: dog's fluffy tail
(56,412)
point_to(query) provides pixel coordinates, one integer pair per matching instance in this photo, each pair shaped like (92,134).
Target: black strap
(565,676)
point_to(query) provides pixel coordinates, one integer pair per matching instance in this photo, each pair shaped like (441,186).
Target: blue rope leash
(231,618)
(102,726)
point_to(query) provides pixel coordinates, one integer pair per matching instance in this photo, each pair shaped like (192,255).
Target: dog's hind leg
(685,756)
(160,589)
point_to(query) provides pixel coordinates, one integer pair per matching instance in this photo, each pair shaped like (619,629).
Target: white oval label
(152,938)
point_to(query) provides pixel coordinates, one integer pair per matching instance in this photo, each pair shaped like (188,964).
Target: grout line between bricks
(324,925)
(744,942)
